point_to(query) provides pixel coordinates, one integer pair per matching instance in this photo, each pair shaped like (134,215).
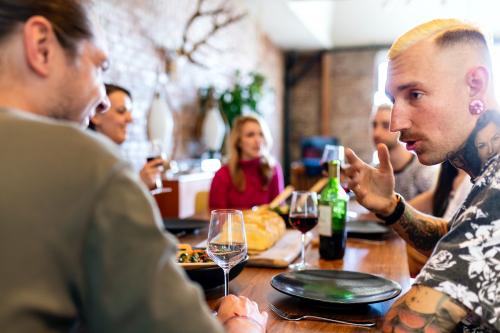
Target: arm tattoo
(423,310)
(420,230)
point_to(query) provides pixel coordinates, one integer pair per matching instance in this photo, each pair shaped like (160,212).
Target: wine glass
(227,241)
(331,153)
(303,217)
(155,152)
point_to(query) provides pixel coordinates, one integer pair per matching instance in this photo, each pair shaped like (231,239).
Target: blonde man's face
(430,94)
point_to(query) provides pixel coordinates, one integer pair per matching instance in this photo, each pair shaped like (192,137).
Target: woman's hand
(151,171)
(374,187)
(240,314)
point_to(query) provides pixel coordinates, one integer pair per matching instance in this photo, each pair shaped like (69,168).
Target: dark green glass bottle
(332,215)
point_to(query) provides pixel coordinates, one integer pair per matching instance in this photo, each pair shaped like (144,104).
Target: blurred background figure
(412,178)
(452,187)
(114,123)
(251,177)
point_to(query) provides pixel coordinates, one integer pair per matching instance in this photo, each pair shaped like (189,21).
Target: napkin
(281,254)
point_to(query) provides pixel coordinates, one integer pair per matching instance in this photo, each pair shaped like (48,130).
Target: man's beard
(71,106)
(64,113)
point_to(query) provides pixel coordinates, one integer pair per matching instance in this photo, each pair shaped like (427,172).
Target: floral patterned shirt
(465,264)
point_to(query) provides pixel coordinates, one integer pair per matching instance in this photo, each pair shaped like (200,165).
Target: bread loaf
(263,228)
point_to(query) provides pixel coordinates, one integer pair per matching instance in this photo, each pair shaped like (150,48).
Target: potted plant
(242,97)
(218,111)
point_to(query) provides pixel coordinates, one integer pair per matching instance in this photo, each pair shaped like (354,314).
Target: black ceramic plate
(369,228)
(211,277)
(176,225)
(336,287)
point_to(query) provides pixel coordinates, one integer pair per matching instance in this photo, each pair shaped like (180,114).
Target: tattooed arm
(419,230)
(424,309)
(374,189)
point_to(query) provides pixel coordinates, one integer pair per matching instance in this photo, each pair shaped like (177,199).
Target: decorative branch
(229,17)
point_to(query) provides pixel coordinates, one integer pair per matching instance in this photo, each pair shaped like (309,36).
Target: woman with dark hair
(483,143)
(114,122)
(487,139)
(251,176)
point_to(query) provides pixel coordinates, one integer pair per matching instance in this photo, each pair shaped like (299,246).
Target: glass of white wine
(227,242)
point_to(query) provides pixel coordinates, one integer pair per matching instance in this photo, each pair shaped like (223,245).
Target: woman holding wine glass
(114,122)
(236,314)
(303,217)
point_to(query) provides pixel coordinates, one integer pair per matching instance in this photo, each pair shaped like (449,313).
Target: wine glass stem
(159,182)
(303,253)
(226,281)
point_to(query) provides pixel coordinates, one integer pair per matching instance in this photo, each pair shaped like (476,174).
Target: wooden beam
(326,86)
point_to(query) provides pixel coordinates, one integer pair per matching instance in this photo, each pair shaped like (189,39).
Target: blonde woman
(251,177)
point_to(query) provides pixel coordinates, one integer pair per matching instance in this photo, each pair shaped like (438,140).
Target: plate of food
(190,258)
(201,269)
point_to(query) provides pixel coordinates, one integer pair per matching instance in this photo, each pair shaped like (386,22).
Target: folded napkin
(281,254)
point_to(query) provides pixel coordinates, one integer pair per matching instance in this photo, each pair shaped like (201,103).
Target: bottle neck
(333,172)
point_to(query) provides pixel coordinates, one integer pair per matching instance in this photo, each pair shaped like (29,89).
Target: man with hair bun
(441,85)
(79,235)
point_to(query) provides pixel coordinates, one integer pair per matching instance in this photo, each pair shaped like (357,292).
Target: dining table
(385,257)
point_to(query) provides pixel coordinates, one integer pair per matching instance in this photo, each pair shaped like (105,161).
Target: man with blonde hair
(440,83)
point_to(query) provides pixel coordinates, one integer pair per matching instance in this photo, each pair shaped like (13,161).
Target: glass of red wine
(303,217)
(155,152)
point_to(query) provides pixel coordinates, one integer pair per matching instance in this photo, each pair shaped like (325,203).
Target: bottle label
(325,220)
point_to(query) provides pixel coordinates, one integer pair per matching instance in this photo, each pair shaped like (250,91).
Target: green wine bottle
(332,215)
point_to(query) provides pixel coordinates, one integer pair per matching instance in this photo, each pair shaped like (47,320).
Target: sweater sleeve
(277,183)
(219,189)
(131,287)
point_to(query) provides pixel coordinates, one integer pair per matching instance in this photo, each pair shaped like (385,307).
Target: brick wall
(305,105)
(352,87)
(134,28)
